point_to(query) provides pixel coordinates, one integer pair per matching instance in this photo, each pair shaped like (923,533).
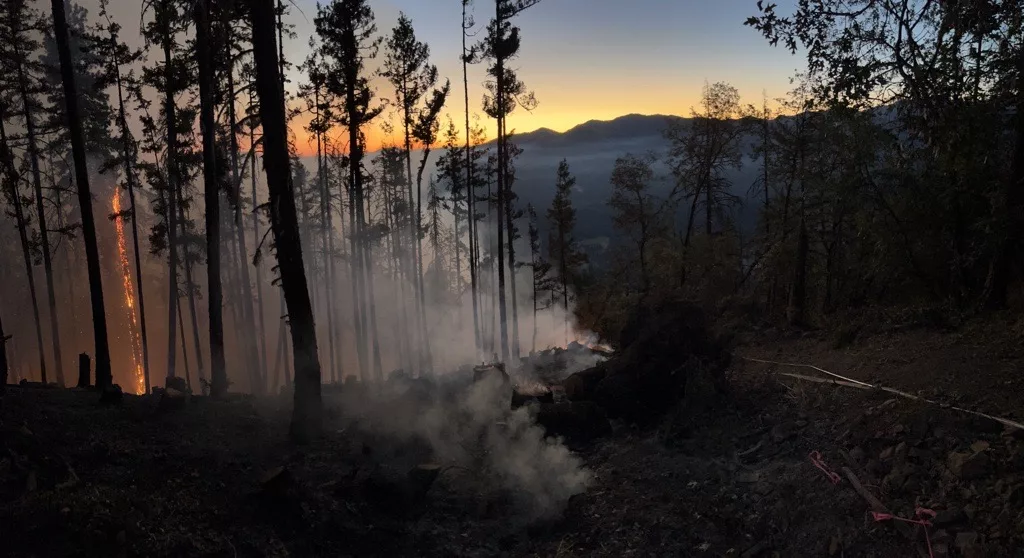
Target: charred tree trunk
(170,208)
(470,193)
(499,89)
(326,233)
(256,242)
(427,358)
(218,374)
(307,410)
(798,291)
(12,179)
(44,236)
(191,293)
(92,255)
(510,224)
(84,366)
(256,365)
(4,365)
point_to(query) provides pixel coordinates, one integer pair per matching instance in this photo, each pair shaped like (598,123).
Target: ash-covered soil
(732,478)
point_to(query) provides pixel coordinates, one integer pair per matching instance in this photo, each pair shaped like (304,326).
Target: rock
(177,383)
(969,466)
(979,446)
(576,421)
(111,395)
(173,400)
(949,518)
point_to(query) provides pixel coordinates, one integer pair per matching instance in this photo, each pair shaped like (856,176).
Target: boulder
(177,383)
(576,421)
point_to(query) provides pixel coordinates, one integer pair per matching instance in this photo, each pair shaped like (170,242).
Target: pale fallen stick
(850,382)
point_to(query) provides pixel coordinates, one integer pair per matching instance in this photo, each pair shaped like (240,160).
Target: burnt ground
(218,478)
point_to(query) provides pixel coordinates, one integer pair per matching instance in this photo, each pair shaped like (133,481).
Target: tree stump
(84,370)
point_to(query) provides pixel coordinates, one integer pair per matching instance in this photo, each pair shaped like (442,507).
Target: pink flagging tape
(922,517)
(817,461)
(863,385)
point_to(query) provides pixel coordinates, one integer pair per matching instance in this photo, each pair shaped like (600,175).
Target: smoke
(469,426)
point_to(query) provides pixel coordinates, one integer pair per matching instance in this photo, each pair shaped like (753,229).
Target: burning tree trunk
(92,255)
(307,411)
(44,237)
(129,172)
(11,178)
(218,374)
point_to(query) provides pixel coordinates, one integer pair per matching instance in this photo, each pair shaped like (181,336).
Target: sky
(584,59)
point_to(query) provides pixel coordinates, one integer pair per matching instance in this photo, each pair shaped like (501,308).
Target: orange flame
(129,298)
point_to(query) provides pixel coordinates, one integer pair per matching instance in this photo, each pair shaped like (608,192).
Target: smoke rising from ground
(469,425)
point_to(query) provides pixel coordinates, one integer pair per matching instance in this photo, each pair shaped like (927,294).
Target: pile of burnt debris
(665,358)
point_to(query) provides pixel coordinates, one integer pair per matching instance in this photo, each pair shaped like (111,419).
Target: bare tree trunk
(427,358)
(326,232)
(798,291)
(470,193)
(190,292)
(355,270)
(307,411)
(4,367)
(512,279)
(19,216)
(184,347)
(257,372)
(256,243)
(499,90)
(170,208)
(218,373)
(99,318)
(44,235)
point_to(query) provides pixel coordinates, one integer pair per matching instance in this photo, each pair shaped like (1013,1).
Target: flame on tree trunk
(129,297)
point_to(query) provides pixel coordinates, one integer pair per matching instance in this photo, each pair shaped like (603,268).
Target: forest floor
(218,478)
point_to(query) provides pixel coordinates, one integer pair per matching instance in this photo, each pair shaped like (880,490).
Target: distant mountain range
(591,150)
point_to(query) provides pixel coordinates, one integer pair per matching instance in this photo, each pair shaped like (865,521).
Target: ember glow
(129,298)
